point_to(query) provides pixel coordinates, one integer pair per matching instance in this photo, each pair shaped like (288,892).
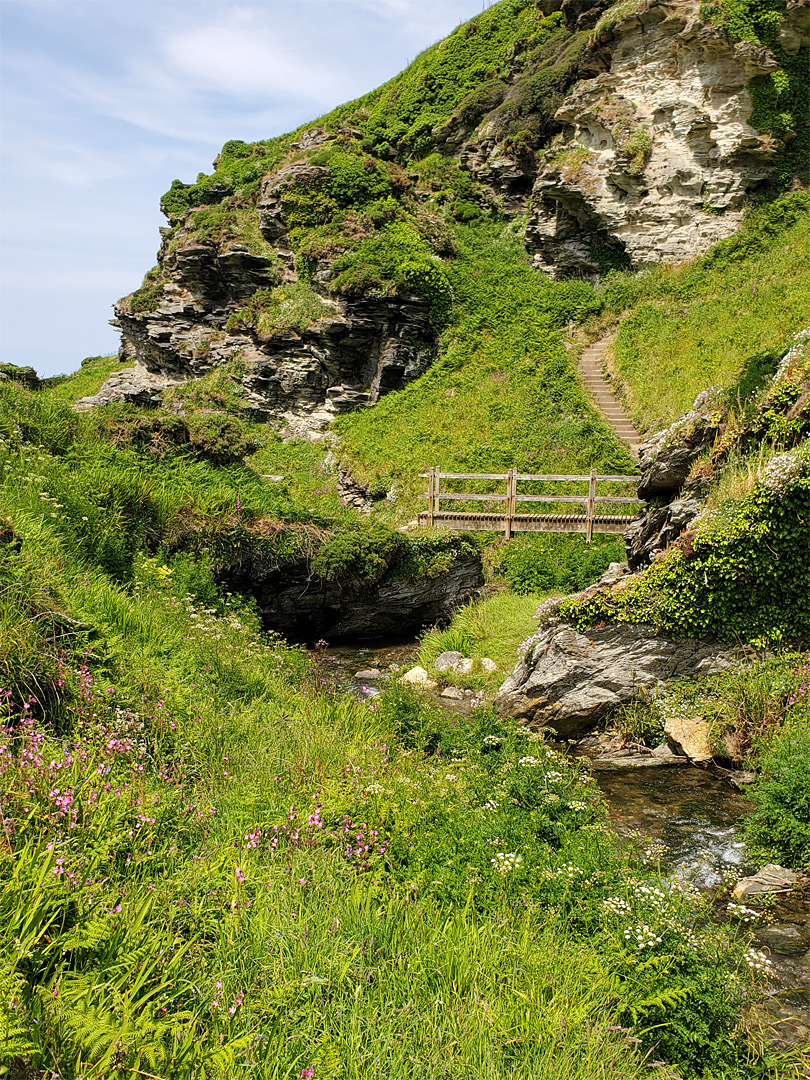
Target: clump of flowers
(757,960)
(782,471)
(505,861)
(741,912)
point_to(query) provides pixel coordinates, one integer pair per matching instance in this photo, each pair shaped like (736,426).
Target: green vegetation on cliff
(723,320)
(212,864)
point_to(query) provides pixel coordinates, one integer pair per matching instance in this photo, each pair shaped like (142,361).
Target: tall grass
(702,325)
(211,868)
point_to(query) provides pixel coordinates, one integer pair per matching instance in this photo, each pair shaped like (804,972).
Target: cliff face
(658,159)
(317,268)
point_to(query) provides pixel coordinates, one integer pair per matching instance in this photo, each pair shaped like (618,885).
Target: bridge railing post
(511,492)
(437,472)
(430,496)
(591,507)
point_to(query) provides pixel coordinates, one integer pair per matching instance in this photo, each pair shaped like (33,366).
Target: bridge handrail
(526,476)
(435,495)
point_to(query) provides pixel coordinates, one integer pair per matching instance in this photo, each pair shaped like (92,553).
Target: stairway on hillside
(590,365)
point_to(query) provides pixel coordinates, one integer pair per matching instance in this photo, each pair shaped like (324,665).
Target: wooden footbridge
(586,519)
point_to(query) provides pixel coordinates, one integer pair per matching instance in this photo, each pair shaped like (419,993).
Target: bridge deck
(602,523)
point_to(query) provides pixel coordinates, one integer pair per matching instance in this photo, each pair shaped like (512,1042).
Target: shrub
(295,306)
(557,562)
(219,438)
(356,553)
(778,828)
(742,575)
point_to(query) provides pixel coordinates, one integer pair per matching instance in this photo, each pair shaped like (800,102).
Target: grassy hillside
(722,321)
(215,866)
(503,393)
(211,866)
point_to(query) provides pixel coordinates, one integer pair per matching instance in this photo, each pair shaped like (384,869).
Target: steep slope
(322,262)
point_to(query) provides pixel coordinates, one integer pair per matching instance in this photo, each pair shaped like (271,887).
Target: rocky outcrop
(356,352)
(570,681)
(656,529)
(665,461)
(137,386)
(305,608)
(658,158)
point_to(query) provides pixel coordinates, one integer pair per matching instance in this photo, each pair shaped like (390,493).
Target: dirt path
(590,365)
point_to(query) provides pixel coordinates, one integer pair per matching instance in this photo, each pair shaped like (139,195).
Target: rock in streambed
(569,681)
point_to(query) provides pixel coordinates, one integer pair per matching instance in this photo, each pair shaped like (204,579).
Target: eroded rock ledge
(304,608)
(570,681)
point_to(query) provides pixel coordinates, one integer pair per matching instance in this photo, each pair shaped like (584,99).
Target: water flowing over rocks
(570,681)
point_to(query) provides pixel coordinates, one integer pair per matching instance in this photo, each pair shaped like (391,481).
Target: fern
(14,1037)
(664,1000)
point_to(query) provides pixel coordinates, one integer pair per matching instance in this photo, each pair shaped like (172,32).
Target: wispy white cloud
(105,101)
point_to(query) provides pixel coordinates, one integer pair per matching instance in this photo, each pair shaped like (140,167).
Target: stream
(691,812)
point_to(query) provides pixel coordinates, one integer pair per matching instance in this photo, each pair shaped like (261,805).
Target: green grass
(490,627)
(85,382)
(702,324)
(502,393)
(241,874)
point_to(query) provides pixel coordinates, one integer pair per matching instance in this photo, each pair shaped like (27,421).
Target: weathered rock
(417,676)
(25,375)
(358,351)
(666,457)
(487,665)
(630,760)
(615,572)
(136,386)
(305,608)
(660,157)
(771,878)
(453,693)
(569,681)
(689,736)
(457,663)
(657,529)
(368,673)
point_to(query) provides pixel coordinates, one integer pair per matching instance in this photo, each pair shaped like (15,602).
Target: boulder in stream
(569,681)
(417,676)
(689,735)
(770,879)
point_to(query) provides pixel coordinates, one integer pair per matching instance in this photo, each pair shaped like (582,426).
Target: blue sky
(105,102)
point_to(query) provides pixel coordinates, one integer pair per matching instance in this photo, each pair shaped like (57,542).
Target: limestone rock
(454,693)
(135,386)
(417,676)
(487,665)
(771,878)
(659,156)
(447,661)
(464,666)
(368,673)
(569,681)
(689,736)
